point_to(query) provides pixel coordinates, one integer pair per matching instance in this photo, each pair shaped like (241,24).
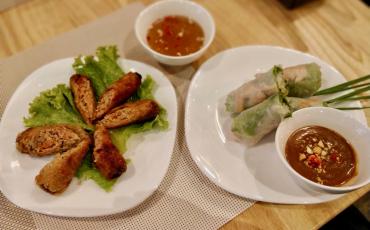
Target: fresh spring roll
(302,80)
(256,90)
(295,81)
(254,123)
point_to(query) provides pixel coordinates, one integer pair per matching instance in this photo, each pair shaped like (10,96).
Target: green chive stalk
(344,86)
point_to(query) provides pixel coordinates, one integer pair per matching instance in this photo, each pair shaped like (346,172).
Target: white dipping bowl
(175,7)
(356,133)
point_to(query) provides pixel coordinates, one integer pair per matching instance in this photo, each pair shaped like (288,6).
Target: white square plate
(150,153)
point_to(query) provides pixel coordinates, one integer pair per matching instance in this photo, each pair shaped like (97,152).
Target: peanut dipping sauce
(321,155)
(175,36)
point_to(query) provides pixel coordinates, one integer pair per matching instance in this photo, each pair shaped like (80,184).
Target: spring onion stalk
(344,86)
(357,86)
(348,95)
(352,108)
(349,99)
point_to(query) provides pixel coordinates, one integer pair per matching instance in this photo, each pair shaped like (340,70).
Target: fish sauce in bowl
(175,36)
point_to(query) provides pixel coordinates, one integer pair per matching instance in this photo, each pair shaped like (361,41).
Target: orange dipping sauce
(175,36)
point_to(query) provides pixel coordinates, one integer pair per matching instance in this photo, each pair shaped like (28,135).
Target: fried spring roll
(131,112)
(117,93)
(83,96)
(55,176)
(49,139)
(107,158)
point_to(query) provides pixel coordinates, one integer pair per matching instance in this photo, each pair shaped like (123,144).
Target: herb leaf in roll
(302,80)
(254,123)
(251,125)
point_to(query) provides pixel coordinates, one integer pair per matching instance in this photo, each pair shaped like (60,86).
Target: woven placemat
(185,199)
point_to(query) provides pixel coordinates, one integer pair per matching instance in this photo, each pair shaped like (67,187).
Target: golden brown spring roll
(83,96)
(55,176)
(117,93)
(131,112)
(107,158)
(49,139)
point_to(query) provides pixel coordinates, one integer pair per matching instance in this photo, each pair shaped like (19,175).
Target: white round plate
(150,153)
(251,172)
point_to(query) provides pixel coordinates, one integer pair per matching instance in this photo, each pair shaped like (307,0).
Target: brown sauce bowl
(355,132)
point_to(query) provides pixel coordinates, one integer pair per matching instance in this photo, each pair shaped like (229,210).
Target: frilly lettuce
(54,106)
(101,69)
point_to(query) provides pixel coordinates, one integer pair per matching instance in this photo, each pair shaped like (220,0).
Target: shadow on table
(350,219)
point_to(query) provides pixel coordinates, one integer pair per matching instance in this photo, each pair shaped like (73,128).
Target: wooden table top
(336,31)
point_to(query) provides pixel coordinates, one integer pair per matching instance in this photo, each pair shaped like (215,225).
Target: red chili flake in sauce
(321,155)
(314,161)
(333,157)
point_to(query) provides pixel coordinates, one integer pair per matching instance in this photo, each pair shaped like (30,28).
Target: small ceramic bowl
(175,7)
(355,132)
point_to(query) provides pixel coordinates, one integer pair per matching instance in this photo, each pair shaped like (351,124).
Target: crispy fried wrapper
(55,176)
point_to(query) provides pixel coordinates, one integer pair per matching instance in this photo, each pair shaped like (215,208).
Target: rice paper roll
(295,81)
(254,123)
(255,91)
(302,80)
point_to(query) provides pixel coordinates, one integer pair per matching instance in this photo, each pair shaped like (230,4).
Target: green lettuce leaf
(54,106)
(102,69)
(88,171)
